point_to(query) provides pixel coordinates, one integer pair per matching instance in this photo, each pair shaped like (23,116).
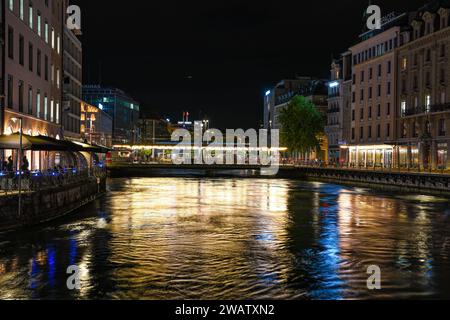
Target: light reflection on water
(176,238)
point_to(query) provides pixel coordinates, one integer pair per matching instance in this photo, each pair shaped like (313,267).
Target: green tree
(302,124)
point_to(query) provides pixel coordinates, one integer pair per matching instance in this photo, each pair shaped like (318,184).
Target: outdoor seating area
(54,163)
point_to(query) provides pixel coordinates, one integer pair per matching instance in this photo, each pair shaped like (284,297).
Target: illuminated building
(339,109)
(424,90)
(372,136)
(122,108)
(72,65)
(31,73)
(153,129)
(96,125)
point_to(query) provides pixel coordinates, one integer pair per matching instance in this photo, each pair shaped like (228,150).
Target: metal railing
(40,180)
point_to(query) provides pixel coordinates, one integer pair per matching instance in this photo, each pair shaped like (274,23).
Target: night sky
(215,57)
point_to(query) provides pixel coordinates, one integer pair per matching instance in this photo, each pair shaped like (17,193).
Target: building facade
(153,129)
(72,85)
(96,126)
(339,109)
(31,69)
(123,109)
(372,137)
(423,125)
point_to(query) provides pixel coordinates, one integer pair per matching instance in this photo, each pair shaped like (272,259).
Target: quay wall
(48,204)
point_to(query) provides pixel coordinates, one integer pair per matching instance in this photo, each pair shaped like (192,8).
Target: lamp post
(20,160)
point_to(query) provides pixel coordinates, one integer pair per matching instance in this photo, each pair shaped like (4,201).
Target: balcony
(425,110)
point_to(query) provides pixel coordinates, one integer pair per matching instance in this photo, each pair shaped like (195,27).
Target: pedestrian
(10,165)
(25,164)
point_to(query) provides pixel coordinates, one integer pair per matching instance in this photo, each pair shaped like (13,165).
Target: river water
(177,238)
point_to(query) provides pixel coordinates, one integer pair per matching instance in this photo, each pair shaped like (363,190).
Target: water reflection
(180,238)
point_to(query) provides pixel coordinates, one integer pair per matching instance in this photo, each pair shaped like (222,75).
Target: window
(38,64)
(388,111)
(379,111)
(427,103)
(443,97)
(11,5)
(46,67)
(362,95)
(378,131)
(361,133)
(370,93)
(53,38)
(52,75)
(58,44)
(20,96)
(388,130)
(39,22)
(442,79)
(428,55)
(38,104)
(370,132)
(57,112)
(379,90)
(443,50)
(57,78)
(403,108)
(52,106)
(30,100)
(389,67)
(10,43)
(388,88)
(379,71)
(30,56)
(404,63)
(353,115)
(370,73)
(442,128)
(45,107)
(10,91)
(21,12)
(353,134)
(370,112)
(30,15)
(21,50)
(361,114)
(46,31)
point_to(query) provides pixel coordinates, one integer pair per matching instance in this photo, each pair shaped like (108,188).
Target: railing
(40,180)
(424,109)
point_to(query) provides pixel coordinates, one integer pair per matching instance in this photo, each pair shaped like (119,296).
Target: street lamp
(19,119)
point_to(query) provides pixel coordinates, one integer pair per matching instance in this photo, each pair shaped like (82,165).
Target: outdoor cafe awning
(41,143)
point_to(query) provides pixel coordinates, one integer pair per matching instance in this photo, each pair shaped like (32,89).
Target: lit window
(52,107)
(428,102)
(45,108)
(46,31)
(38,104)
(11,5)
(30,15)
(58,44)
(53,38)
(21,9)
(57,78)
(57,112)
(403,108)
(39,31)
(404,63)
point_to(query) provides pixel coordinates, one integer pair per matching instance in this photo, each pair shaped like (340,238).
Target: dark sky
(215,56)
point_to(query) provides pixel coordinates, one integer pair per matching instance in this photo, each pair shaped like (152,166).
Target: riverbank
(428,183)
(48,204)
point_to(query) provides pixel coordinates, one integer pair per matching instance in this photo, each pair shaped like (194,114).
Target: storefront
(371,156)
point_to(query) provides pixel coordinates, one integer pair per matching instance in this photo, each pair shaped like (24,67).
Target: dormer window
(444,14)
(429,22)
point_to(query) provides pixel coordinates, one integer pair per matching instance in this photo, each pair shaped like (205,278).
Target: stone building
(423,125)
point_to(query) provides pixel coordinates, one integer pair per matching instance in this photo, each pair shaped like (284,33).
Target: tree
(302,124)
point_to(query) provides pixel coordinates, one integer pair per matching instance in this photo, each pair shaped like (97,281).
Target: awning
(42,143)
(33,143)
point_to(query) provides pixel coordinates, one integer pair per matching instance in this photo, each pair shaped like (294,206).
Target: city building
(153,129)
(339,109)
(423,125)
(314,90)
(72,86)
(96,126)
(123,109)
(373,117)
(31,70)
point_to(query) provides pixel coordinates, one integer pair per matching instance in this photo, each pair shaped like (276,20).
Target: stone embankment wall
(48,204)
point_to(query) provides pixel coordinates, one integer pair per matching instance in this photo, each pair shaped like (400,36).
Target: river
(179,238)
